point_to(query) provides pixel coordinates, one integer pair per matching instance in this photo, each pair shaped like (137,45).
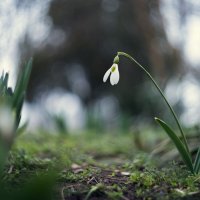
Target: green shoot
(11,103)
(20,90)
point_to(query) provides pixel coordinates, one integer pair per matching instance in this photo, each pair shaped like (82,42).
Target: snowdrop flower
(113,72)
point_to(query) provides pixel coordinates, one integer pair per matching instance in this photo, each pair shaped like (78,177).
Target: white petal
(114,77)
(111,80)
(106,75)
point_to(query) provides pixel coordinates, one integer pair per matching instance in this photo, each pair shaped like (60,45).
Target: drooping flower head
(113,72)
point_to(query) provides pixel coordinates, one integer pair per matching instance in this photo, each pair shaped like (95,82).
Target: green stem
(161,93)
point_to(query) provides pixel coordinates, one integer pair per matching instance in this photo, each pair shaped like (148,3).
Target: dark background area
(93,31)
(81,40)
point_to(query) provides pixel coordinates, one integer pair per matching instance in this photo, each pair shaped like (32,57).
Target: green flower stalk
(181,145)
(162,94)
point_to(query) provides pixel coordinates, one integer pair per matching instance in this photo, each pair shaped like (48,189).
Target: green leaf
(197,162)
(178,143)
(22,82)
(3,84)
(5,81)
(22,128)
(20,90)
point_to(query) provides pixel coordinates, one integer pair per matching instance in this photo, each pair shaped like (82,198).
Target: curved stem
(161,93)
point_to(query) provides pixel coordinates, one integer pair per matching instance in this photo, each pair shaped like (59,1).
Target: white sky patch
(192,41)
(16,22)
(57,103)
(66,105)
(173,91)
(171,21)
(183,36)
(33,114)
(188,92)
(190,98)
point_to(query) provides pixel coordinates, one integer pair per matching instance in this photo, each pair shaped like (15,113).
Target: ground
(94,165)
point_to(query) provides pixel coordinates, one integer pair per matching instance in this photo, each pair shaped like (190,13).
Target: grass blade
(178,143)
(197,162)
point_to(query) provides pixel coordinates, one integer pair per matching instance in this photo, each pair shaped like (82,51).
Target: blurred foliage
(84,38)
(11,102)
(60,124)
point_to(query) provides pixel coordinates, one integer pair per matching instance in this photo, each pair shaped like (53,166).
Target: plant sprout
(11,102)
(181,144)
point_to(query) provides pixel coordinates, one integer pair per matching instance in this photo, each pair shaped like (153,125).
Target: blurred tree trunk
(94,31)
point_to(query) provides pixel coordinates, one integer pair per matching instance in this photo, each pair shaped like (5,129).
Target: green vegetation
(11,102)
(95,166)
(181,144)
(15,98)
(92,164)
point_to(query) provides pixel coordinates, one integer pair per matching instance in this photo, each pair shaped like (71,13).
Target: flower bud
(116,60)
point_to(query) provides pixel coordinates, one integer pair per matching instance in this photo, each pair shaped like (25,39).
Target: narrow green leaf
(22,128)
(5,81)
(19,108)
(197,162)
(22,82)
(4,85)
(178,143)
(20,90)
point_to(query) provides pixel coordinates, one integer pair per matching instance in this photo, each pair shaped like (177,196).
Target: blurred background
(73,43)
